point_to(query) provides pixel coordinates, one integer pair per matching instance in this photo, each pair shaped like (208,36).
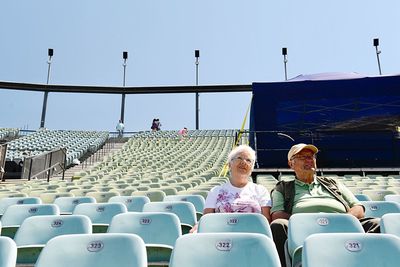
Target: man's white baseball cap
(299,147)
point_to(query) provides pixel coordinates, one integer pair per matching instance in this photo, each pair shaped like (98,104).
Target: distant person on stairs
(120,128)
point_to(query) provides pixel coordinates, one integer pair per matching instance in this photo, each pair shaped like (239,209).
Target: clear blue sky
(239,41)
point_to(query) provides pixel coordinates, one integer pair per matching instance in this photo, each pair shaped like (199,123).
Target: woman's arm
(205,211)
(266,212)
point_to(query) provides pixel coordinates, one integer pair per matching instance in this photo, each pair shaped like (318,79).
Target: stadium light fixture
(197,55)
(376,44)
(285,60)
(125,58)
(50,53)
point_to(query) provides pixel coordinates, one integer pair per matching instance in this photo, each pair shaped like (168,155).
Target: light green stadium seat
(100,214)
(234,222)
(16,214)
(35,232)
(159,244)
(102,197)
(82,192)
(377,195)
(6,202)
(88,250)
(377,209)
(49,198)
(224,249)
(197,200)
(153,195)
(68,204)
(303,225)
(184,210)
(8,252)
(392,197)
(351,249)
(132,203)
(390,224)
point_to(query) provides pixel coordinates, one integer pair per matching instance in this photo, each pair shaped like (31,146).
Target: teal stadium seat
(378,208)
(351,249)
(132,203)
(35,232)
(393,197)
(100,214)
(8,201)
(8,252)
(89,250)
(362,197)
(305,224)
(224,249)
(16,214)
(159,231)
(68,204)
(185,211)
(197,200)
(390,224)
(234,222)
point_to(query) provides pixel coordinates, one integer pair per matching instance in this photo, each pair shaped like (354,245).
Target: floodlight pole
(376,44)
(125,57)
(197,55)
(46,93)
(285,60)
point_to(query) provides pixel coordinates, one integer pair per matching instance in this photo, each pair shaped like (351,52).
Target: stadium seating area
(8,133)
(135,206)
(77,143)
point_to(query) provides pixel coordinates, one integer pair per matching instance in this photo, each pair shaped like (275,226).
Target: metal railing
(45,165)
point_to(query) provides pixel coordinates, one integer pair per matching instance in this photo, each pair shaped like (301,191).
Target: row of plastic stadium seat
(315,236)
(103,189)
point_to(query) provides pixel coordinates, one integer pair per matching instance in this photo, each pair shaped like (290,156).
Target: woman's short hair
(242,148)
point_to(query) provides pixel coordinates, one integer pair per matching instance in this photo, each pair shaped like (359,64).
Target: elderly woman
(239,194)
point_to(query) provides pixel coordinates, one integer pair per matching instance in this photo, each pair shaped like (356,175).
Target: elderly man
(310,193)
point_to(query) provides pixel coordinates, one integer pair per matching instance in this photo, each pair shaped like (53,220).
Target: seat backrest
(38,230)
(50,197)
(147,225)
(185,211)
(197,200)
(100,213)
(16,214)
(102,197)
(377,194)
(8,252)
(351,249)
(152,194)
(68,204)
(390,224)
(302,225)
(392,197)
(362,197)
(132,203)
(377,209)
(234,222)
(8,201)
(88,250)
(224,249)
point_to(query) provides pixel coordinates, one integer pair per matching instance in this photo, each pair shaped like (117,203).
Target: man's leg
(279,228)
(371,225)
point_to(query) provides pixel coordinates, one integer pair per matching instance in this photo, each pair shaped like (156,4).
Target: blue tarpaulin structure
(353,119)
